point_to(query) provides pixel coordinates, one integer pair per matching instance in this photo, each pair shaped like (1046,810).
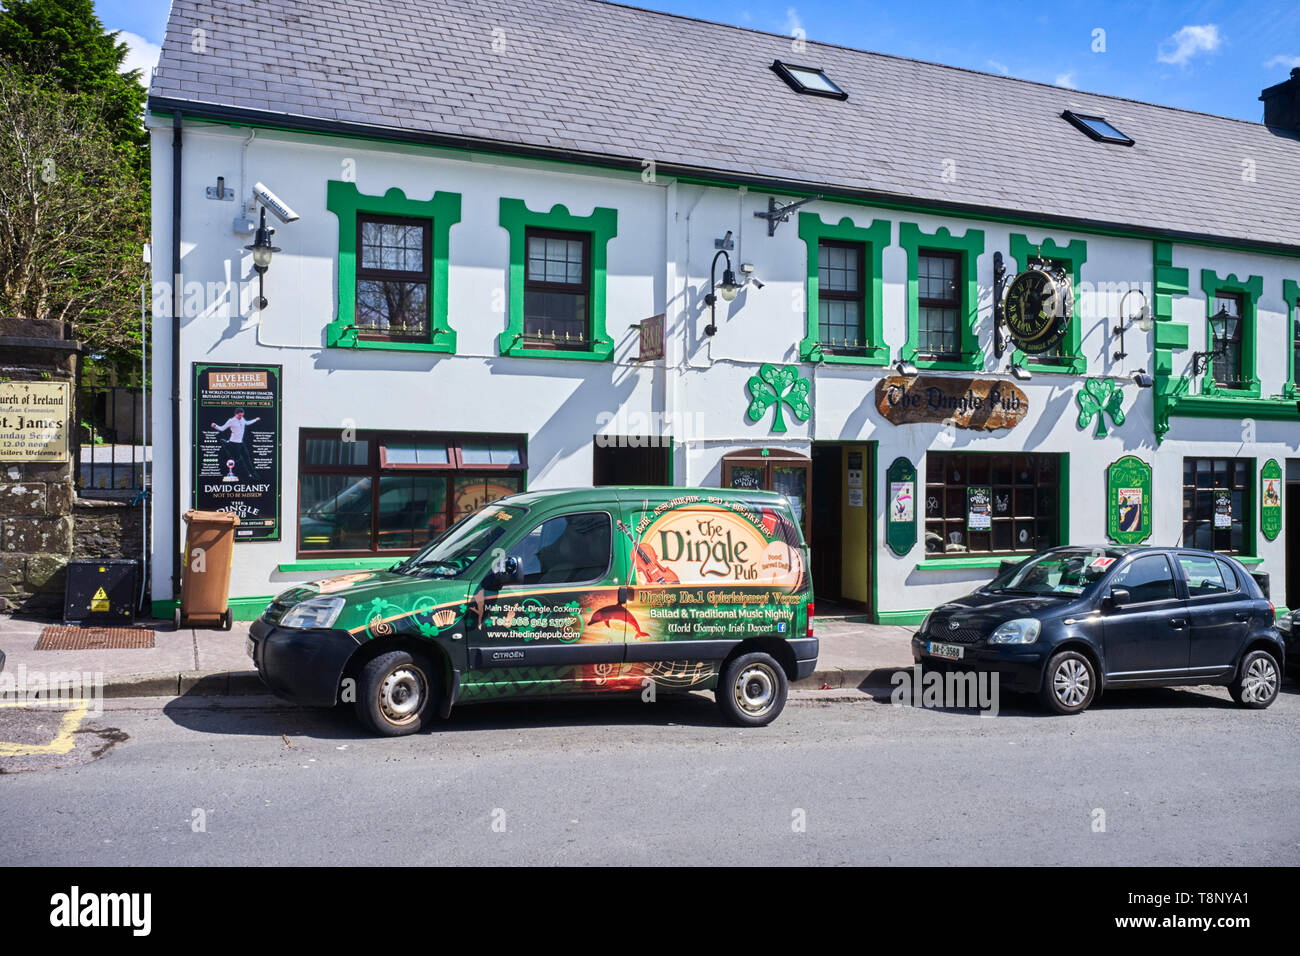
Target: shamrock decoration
(1100,397)
(778,385)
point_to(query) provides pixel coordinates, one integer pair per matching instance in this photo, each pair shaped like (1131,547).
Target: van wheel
(395,694)
(1069,683)
(752,689)
(1257,681)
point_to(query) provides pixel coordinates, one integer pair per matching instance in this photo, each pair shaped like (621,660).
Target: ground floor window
(1216,503)
(982,503)
(370,492)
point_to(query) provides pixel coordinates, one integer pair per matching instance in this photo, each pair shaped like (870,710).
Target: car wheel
(395,694)
(1069,683)
(752,689)
(1257,681)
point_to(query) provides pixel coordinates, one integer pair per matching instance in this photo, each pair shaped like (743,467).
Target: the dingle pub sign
(978,403)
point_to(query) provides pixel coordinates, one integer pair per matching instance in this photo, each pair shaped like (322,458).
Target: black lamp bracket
(777,213)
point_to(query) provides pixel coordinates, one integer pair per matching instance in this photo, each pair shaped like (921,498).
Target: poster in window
(979,508)
(1222,508)
(1270,499)
(237,445)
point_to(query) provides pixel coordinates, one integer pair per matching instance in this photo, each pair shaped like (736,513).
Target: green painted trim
(873,490)
(1072,361)
(443,210)
(901,618)
(812,230)
(1250,290)
(964,564)
(1168,281)
(1063,500)
(1225,405)
(339,564)
(241,608)
(970,246)
(1248,560)
(602,225)
(1170,335)
(1291,296)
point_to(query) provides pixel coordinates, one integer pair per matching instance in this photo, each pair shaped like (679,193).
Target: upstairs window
(1227,367)
(938,278)
(1097,127)
(840,268)
(808,79)
(557,289)
(393,278)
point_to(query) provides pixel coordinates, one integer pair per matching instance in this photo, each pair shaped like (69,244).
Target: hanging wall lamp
(1142,319)
(261,246)
(728,289)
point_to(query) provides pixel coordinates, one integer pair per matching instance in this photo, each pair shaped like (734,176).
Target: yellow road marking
(63,741)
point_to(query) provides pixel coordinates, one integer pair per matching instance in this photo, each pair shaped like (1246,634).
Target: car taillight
(810,619)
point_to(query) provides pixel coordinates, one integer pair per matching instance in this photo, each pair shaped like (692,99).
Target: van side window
(1148,579)
(570,549)
(1203,576)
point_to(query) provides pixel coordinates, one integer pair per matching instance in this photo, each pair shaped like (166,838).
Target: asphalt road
(1183,777)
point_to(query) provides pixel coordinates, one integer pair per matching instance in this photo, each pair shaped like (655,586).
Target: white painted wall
(658,262)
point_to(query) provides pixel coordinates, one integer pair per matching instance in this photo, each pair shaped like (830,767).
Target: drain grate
(60,638)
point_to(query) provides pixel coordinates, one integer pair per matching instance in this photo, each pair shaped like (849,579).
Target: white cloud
(1188,42)
(1284,61)
(793,24)
(141,55)
(1000,67)
(1066,80)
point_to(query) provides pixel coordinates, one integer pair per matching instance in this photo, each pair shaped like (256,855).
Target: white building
(493,196)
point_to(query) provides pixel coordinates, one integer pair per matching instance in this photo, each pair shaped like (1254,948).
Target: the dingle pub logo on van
(704,543)
(77,909)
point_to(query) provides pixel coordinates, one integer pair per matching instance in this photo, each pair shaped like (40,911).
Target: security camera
(271,201)
(747,270)
(1142,380)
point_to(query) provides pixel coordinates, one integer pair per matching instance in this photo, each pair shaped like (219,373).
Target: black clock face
(1030,312)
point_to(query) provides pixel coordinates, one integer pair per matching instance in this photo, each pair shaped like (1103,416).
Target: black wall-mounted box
(100,592)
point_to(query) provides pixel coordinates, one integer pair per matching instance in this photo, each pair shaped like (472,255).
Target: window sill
(967,363)
(599,352)
(1068,365)
(1212,390)
(967,563)
(812,351)
(339,336)
(340,564)
(1249,561)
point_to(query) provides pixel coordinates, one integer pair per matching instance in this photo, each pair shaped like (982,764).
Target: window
(840,269)
(571,549)
(1295,348)
(1097,127)
(808,79)
(1204,575)
(393,277)
(1216,503)
(979,503)
(1227,366)
(1147,579)
(393,492)
(557,290)
(938,276)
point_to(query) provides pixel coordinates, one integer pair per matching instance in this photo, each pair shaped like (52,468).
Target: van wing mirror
(512,572)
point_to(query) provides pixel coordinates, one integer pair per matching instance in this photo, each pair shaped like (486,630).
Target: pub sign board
(237,445)
(975,403)
(1270,499)
(651,336)
(1128,500)
(900,527)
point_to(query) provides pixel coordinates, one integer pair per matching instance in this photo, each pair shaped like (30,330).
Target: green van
(558,593)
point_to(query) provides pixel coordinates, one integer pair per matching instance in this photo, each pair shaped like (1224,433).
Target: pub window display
(1216,500)
(982,503)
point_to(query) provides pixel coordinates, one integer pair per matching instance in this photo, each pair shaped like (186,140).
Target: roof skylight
(1098,128)
(808,79)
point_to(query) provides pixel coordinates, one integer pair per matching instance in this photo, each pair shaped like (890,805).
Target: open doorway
(631,460)
(843,526)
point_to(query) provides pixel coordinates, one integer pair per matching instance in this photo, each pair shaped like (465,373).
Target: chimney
(1282,104)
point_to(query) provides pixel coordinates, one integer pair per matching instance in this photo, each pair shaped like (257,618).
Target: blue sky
(1214,56)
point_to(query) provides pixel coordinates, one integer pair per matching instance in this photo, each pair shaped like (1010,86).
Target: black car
(1071,621)
(1289,626)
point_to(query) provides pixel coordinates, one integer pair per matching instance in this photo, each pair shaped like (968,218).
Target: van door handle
(623,594)
(1178,622)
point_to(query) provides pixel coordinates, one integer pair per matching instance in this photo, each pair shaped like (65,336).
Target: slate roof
(624,84)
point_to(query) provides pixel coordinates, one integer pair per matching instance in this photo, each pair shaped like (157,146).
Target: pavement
(212,663)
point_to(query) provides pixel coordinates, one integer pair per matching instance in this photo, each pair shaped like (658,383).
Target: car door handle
(1178,622)
(1243,615)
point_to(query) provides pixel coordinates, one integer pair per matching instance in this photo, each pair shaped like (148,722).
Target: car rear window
(1203,573)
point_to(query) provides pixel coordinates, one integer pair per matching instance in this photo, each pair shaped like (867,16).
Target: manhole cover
(58,638)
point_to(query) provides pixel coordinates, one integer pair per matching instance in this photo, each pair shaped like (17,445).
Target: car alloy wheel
(402,693)
(755,690)
(1260,682)
(1071,682)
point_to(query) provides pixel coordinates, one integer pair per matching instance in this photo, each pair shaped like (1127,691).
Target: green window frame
(347,202)
(969,247)
(1291,297)
(1071,258)
(872,239)
(601,226)
(1249,292)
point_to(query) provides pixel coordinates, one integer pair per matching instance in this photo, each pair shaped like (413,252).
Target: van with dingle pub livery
(558,593)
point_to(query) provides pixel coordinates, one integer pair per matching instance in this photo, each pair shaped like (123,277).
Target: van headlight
(1023,630)
(315,612)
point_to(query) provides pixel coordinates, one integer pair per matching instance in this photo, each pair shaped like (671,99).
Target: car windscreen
(450,555)
(1056,573)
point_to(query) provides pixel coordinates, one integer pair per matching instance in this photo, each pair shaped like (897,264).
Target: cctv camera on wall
(279,208)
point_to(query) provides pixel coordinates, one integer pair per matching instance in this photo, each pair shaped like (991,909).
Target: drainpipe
(177,298)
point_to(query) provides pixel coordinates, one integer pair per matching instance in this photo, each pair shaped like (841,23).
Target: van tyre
(395,693)
(752,690)
(1257,681)
(1069,683)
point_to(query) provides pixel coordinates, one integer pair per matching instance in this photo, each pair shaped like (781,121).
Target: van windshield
(451,554)
(1057,573)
